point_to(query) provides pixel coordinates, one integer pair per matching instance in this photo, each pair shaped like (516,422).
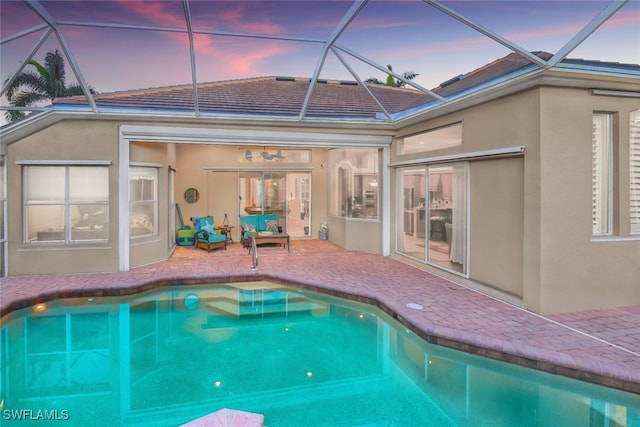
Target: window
(66,203)
(143,201)
(634,175)
(436,139)
(274,155)
(354,183)
(172,207)
(601,173)
(3,204)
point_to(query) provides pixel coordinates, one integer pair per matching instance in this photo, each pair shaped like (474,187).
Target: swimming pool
(302,359)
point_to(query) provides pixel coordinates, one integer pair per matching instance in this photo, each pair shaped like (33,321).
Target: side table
(226,230)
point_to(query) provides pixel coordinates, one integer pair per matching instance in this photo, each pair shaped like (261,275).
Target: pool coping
(557,364)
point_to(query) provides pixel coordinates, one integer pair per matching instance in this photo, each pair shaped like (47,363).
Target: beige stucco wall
(578,272)
(547,253)
(496,223)
(66,140)
(497,186)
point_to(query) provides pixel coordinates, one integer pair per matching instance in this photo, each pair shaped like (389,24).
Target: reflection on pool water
(301,359)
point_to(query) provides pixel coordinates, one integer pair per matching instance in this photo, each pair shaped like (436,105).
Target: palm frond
(54,63)
(29,80)
(75,89)
(374,81)
(28,99)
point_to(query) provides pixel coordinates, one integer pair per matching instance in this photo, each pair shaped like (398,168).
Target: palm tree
(29,88)
(409,75)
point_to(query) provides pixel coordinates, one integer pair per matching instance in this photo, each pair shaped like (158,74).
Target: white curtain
(459,215)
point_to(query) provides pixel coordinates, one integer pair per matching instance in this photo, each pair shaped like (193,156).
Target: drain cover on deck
(414,306)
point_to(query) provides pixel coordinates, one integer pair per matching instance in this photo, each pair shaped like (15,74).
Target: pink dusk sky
(410,35)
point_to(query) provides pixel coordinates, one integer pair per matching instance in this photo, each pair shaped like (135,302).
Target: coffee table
(280,238)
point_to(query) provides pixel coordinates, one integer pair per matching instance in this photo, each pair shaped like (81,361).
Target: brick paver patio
(600,346)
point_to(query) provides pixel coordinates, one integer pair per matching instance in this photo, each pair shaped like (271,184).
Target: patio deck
(600,346)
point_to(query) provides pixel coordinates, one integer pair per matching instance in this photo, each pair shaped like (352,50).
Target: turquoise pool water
(301,359)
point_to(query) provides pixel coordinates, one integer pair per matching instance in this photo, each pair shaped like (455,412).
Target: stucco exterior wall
(497,224)
(578,271)
(66,140)
(547,254)
(498,187)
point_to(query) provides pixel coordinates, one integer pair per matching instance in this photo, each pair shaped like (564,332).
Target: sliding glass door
(287,194)
(432,215)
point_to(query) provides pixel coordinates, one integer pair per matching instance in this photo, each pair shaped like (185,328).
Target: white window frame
(601,174)
(172,208)
(634,172)
(3,215)
(66,164)
(344,191)
(155,169)
(434,139)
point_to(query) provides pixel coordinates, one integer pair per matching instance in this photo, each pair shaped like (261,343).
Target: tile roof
(284,96)
(274,96)
(498,68)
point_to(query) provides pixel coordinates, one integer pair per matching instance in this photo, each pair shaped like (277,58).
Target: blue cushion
(258,221)
(212,238)
(251,220)
(208,227)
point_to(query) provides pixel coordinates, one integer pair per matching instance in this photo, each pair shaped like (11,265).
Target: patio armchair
(206,235)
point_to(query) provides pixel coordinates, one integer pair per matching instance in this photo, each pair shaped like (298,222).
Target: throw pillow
(271,226)
(248,228)
(208,227)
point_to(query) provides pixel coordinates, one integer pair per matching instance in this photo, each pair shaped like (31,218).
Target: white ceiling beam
(192,57)
(351,14)
(50,20)
(492,35)
(582,35)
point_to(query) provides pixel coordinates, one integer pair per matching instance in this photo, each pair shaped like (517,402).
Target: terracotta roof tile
(284,96)
(488,72)
(266,96)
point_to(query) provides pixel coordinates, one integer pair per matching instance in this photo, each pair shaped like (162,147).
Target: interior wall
(222,198)
(219,189)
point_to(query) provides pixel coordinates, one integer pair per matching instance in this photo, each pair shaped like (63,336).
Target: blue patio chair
(206,235)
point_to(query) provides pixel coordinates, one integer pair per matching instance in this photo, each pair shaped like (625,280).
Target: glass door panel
(286,194)
(250,192)
(447,225)
(299,204)
(411,212)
